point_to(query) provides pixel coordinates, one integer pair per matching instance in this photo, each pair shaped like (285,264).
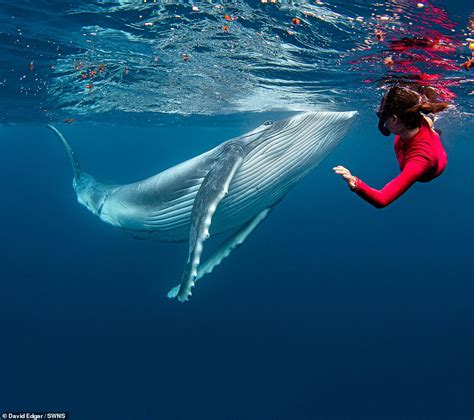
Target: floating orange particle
(295,21)
(89,86)
(468,64)
(227,17)
(379,34)
(92,73)
(226,28)
(471,46)
(388,61)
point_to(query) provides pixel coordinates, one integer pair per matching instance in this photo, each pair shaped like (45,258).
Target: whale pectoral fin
(213,189)
(226,247)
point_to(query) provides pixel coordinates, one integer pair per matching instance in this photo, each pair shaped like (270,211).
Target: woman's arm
(412,171)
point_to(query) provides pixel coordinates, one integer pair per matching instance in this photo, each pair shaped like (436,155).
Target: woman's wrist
(353,183)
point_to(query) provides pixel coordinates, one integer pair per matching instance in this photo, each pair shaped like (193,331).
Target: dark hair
(408,105)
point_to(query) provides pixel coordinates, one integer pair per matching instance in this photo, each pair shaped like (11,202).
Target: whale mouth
(106,217)
(91,204)
(91,193)
(101,205)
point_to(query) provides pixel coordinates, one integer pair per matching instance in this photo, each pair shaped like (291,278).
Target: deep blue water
(330,310)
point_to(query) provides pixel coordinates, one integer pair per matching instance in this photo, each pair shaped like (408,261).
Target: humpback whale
(232,187)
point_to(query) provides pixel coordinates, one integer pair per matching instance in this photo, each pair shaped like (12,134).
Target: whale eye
(268,122)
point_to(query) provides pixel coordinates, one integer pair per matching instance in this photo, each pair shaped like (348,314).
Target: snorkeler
(420,153)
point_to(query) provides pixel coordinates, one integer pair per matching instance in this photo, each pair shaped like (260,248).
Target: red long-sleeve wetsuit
(421,158)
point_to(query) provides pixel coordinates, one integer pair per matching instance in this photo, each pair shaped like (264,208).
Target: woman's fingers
(346,174)
(342,172)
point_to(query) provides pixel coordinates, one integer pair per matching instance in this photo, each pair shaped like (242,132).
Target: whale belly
(259,184)
(163,222)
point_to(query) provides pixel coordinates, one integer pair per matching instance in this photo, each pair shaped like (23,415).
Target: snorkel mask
(382,120)
(385,112)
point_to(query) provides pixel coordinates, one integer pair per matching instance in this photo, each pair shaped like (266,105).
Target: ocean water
(331,309)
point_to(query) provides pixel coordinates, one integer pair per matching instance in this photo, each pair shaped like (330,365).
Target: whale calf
(233,186)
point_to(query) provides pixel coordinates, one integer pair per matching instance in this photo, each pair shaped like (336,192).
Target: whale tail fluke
(74,162)
(91,192)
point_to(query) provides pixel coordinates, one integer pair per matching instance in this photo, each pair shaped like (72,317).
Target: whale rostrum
(232,187)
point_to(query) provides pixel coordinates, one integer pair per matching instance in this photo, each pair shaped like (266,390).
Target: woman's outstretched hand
(348,177)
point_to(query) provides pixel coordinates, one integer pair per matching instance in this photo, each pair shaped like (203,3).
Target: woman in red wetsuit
(420,153)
